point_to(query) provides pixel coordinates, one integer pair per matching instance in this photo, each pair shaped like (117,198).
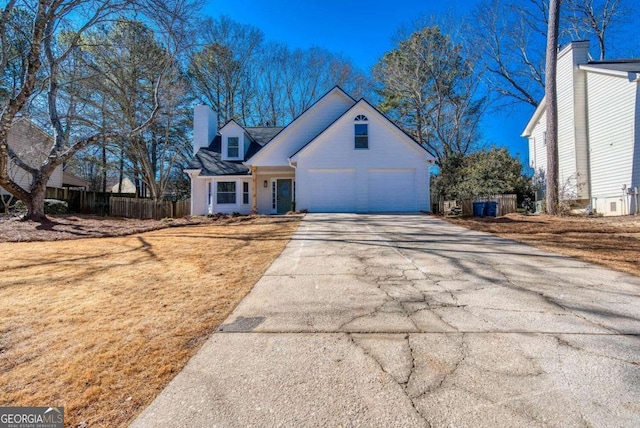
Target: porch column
(254,190)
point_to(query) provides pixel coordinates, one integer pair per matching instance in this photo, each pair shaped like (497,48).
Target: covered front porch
(273,190)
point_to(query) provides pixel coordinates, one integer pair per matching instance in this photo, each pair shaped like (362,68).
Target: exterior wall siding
(537,146)
(612,138)
(199,195)
(389,149)
(567,168)
(302,130)
(580,126)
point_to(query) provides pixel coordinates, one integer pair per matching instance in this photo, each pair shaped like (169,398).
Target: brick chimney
(205,127)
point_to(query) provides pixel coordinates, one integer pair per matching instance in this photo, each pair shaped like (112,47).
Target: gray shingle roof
(263,134)
(210,162)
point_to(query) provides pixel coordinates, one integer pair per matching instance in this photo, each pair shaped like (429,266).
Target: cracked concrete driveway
(383,320)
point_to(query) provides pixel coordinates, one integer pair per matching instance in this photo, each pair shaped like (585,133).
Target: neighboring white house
(598,132)
(340,155)
(127,187)
(33,145)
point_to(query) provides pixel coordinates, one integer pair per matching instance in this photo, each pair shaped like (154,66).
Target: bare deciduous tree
(511,36)
(55,30)
(220,70)
(593,18)
(254,82)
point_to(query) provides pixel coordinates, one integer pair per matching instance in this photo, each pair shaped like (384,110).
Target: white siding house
(390,174)
(340,155)
(598,134)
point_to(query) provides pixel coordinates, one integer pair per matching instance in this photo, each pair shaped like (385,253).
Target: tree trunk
(552,108)
(35,202)
(121,167)
(104,166)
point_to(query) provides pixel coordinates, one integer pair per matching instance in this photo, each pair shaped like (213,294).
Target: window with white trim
(361,132)
(233,148)
(245,193)
(226,192)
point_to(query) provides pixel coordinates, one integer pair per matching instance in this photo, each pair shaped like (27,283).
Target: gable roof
(70,180)
(353,107)
(537,114)
(335,89)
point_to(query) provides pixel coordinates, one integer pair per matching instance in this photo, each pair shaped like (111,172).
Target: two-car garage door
(382,190)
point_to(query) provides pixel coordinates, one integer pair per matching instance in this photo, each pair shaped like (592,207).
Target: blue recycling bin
(478,209)
(491,209)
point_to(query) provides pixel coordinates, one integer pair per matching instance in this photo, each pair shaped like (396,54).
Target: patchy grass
(100,326)
(613,242)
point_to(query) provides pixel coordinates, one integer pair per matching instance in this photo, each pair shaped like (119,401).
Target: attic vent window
(361,118)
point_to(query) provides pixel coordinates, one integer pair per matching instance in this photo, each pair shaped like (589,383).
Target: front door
(285,195)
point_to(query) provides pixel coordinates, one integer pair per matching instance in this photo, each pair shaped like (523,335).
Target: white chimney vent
(205,127)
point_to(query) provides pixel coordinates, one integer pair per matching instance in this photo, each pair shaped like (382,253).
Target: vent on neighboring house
(613,207)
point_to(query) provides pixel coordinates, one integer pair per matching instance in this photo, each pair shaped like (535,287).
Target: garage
(332,190)
(392,190)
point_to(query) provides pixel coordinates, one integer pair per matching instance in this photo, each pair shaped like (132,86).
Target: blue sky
(363,31)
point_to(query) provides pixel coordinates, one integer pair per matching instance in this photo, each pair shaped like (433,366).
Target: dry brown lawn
(613,242)
(100,326)
(77,226)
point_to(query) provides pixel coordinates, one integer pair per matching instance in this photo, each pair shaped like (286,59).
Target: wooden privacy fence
(506,204)
(83,201)
(148,208)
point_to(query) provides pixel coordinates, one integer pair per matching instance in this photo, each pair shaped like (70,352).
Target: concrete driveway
(388,320)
